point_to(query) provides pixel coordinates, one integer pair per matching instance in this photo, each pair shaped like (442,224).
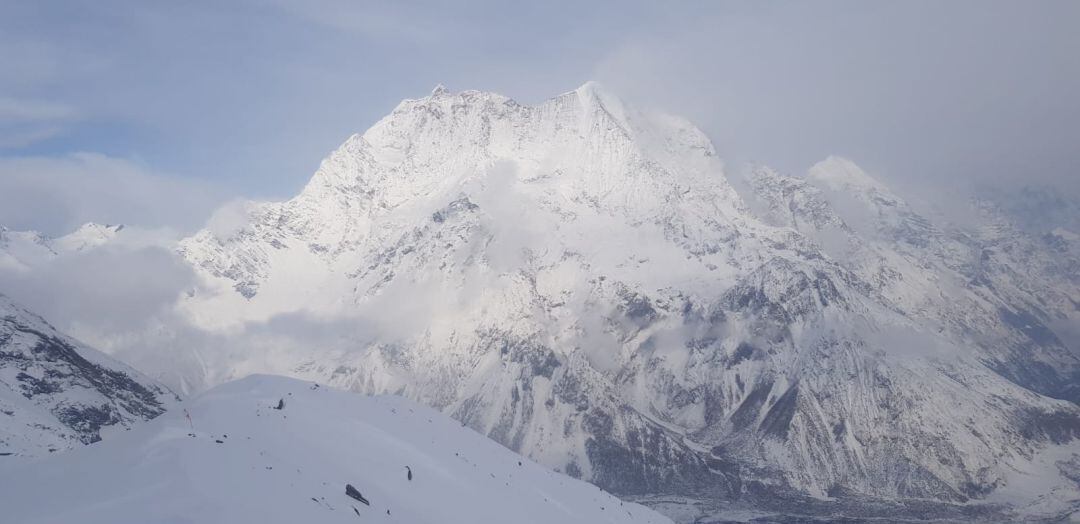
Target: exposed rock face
(57,393)
(581,282)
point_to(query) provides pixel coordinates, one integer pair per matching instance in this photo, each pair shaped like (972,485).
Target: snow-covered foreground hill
(246,461)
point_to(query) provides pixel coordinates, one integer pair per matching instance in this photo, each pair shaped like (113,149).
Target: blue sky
(157,112)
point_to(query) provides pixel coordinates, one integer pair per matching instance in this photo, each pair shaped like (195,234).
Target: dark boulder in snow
(352,492)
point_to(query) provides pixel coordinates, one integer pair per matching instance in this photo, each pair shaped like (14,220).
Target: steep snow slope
(581,282)
(994,289)
(56,393)
(248,462)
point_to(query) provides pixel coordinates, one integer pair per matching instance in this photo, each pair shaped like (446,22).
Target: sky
(157,113)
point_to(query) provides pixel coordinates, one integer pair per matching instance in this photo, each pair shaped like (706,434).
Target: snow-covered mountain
(56,393)
(1009,296)
(240,459)
(21,250)
(587,284)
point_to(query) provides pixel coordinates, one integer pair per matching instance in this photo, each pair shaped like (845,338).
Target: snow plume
(230,218)
(512,222)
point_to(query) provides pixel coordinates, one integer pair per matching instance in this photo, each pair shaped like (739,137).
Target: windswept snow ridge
(246,461)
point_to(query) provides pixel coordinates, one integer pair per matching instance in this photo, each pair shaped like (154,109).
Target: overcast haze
(156,114)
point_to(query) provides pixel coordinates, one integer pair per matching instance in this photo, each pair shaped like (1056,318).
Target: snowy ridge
(56,393)
(249,462)
(995,289)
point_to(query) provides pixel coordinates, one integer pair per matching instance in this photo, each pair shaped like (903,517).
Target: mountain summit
(582,282)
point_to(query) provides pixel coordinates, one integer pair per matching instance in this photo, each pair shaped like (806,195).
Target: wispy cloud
(56,194)
(922,93)
(14,110)
(26,121)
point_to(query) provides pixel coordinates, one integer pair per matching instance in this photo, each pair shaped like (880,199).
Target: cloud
(16,137)
(121,297)
(229,219)
(25,121)
(13,110)
(944,95)
(190,359)
(111,288)
(56,194)
(409,22)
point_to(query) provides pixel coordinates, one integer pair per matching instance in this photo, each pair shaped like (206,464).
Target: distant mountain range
(589,285)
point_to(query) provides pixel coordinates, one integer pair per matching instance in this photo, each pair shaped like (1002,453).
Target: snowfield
(247,461)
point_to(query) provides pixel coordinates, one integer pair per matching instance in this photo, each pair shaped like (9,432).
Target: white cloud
(922,94)
(26,121)
(111,288)
(22,110)
(56,194)
(21,136)
(229,219)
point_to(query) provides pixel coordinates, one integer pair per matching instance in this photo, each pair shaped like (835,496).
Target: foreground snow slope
(249,462)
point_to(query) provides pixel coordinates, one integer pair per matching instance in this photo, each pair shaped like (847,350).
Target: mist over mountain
(706,262)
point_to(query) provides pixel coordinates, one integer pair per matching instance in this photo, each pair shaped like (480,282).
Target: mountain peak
(591,87)
(593,93)
(98,227)
(839,173)
(88,235)
(439,90)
